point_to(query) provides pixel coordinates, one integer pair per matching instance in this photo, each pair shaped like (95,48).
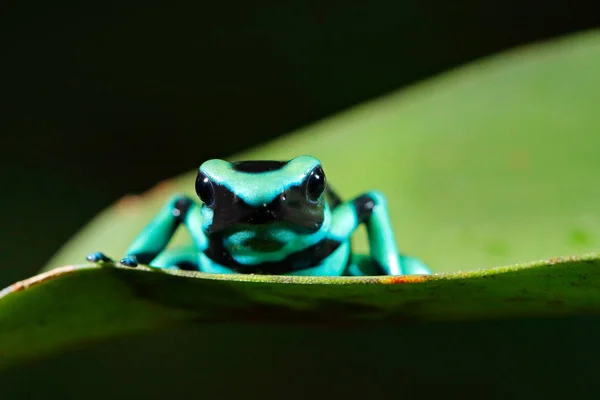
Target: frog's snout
(263,215)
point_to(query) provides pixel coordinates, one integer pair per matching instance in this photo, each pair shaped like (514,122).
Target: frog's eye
(205,189)
(315,184)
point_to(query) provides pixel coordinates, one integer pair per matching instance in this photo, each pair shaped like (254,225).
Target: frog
(270,217)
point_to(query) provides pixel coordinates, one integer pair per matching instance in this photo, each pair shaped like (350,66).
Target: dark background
(104,100)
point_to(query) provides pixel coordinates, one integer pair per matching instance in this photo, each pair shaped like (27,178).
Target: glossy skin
(270,217)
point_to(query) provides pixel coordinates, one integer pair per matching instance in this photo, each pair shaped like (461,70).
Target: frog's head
(263,205)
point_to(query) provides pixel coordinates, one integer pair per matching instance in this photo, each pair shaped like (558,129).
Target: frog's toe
(98,257)
(129,261)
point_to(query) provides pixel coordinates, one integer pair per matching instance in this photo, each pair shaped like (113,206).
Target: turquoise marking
(170,258)
(207,217)
(344,222)
(334,265)
(259,189)
(381,237)
(211,267)
(247,256)
(194,224)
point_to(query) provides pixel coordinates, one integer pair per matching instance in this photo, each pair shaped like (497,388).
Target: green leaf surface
(493,164)
(72,305)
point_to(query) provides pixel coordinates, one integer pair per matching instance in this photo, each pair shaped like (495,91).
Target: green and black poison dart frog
(270,217)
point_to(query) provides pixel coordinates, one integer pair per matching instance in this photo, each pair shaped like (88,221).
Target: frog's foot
(129,261)
(98,257)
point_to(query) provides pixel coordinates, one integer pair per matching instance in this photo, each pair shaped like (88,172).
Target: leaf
(78,303)
(492,164)
(152,332)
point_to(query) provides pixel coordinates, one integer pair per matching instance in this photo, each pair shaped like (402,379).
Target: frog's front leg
(371,209)
(157,234)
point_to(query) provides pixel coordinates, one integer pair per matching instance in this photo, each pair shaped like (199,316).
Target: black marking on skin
(290,206)
(257,167)
(187,265)
(363,205)
(180,208)
(307,258)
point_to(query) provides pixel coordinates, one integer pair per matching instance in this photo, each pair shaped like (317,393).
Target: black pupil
(316,184)
(204,189)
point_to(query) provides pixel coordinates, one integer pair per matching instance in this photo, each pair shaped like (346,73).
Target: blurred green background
(103,100)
